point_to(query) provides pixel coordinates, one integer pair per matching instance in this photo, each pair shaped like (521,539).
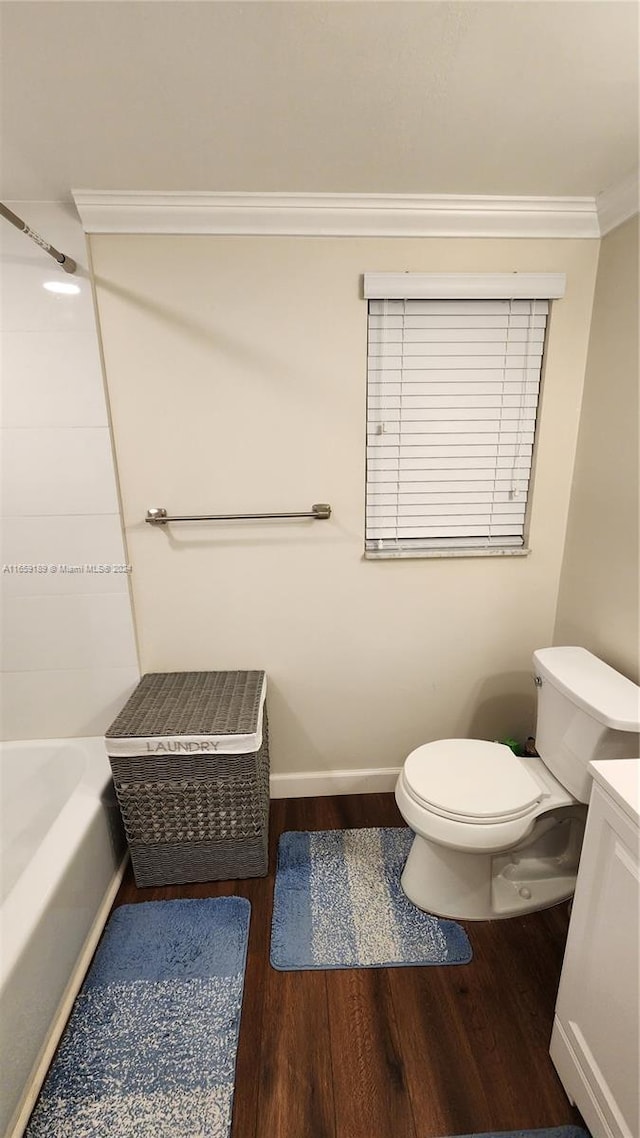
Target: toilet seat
(471,781)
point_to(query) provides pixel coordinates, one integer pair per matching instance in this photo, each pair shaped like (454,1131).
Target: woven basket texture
(197,816)
(191,703)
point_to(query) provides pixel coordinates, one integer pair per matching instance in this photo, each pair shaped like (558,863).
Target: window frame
(461,286)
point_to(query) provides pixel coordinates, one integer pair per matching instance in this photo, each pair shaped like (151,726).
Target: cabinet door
(595,1038)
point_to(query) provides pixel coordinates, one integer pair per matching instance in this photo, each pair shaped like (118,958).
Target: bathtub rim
(40,880)
(15,932)
(91,782)
(39,1071)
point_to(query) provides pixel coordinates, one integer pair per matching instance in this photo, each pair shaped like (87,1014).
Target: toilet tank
(586,711)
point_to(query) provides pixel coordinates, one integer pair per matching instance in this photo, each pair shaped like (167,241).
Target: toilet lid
(472,780)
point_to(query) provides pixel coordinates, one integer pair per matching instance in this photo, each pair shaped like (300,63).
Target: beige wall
(598,599)
(236,369)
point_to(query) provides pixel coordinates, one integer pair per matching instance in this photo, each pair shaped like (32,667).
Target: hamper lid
(186,712)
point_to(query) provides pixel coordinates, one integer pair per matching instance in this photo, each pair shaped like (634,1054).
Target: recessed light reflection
(63,287)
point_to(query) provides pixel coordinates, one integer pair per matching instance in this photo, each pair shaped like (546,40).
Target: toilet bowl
(498,835)
(468,802)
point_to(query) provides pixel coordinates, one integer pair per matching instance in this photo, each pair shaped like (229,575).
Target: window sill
(412,554)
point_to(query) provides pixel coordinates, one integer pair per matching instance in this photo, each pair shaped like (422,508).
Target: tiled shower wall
(69,656)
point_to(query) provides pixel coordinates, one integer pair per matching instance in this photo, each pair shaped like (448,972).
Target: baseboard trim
(36,1079)
(320,784)
(577,1084)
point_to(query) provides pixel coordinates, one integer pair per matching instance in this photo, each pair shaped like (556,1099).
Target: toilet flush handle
(537,681)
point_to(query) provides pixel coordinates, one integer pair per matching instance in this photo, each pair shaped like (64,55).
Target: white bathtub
(62,861)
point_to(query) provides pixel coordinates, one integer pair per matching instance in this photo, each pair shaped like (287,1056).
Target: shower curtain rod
(66,263)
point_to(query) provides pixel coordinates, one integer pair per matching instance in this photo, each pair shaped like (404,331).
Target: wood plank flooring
(391,1052)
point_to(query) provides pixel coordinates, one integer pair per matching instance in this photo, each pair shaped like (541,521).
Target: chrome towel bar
(157,516)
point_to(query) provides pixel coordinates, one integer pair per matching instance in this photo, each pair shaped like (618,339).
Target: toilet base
(538,873)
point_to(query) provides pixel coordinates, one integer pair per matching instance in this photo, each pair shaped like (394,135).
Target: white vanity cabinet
(594,1044)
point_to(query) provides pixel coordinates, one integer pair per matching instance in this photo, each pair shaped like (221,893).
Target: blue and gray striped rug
(552,1132)
(338,904)
(150,1047)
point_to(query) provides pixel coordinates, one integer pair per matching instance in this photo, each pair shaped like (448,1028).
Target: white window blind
(452,399)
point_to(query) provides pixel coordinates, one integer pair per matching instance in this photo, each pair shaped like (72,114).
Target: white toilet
(497,835)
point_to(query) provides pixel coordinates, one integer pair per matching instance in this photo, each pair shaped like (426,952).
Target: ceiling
(366,96)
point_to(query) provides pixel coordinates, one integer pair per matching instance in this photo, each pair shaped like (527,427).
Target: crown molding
(335,215)
(618,203)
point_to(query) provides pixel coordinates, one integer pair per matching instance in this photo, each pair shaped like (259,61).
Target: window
(453,385)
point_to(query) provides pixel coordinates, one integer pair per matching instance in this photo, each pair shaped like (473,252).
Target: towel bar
(157,516)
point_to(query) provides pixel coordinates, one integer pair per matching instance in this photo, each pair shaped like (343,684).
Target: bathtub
(63,856)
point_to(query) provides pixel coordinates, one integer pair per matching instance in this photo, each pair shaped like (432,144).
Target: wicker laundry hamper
(189,754)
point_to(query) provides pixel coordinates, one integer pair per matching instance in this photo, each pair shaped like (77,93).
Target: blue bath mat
(551,1132)
(150,1047)
(338,904)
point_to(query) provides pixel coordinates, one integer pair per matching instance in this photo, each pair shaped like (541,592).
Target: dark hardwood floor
(391,1052)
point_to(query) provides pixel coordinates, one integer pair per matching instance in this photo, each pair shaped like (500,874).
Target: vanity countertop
(621,779)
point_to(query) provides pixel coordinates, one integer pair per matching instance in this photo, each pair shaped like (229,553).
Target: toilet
(497,835)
